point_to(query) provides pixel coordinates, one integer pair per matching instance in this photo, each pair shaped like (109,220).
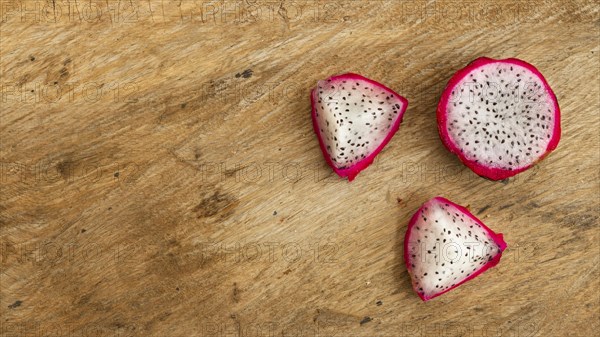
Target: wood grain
(160,176)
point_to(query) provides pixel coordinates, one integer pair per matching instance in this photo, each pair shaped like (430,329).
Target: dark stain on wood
(85,299)
(63,169)
(245,74)
(15,305)
(582,221)
(217,203)
(365,320)
(236,293)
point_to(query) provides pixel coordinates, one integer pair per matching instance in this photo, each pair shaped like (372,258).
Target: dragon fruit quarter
(445,246)
(354,118)
(500,117)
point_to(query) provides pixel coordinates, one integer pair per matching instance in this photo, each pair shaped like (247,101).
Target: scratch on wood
(483,209)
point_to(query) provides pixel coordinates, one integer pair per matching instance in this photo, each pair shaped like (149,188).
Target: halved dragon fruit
(354,118)
(445,246)
(499,117)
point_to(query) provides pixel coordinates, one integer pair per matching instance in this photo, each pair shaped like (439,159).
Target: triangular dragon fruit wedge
(354,118)
(445,246)
(500,117)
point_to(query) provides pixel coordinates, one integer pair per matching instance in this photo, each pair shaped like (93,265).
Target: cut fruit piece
(500,117)
(354,118)
(445,245)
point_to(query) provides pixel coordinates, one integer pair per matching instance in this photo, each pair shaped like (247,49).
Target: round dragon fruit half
(500,117)
(354,118)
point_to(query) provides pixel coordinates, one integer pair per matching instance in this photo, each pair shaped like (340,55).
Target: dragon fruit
(500,117)
(446,245)
(354,118)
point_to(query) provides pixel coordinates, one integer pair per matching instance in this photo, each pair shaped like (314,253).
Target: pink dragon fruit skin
(495,170)
(394,107)
(436,210)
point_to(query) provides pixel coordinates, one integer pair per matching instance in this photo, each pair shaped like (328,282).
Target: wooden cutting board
(160,175)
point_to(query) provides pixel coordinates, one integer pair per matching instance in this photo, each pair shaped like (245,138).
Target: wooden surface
(174,186)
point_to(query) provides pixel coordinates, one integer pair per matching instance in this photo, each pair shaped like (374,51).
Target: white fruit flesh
(354,117)
(501,115)
(446,246)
